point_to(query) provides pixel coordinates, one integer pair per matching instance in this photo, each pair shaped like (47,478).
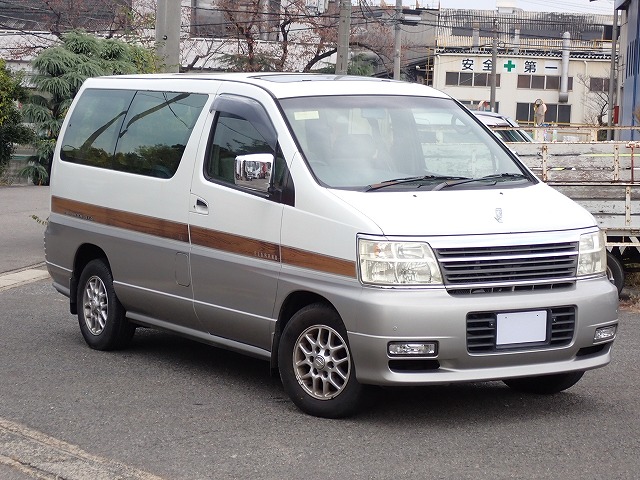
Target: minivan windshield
(374,142)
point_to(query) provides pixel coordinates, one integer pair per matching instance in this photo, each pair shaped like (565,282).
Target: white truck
(603,177)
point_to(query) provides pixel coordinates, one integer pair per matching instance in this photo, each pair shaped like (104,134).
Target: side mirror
(254,171)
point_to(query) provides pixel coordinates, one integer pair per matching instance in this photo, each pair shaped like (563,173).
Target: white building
(533,62)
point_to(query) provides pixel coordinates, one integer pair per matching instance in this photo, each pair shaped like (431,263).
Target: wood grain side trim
(315,261)
(228,242)
(231,243)
(121,219)
(204,237)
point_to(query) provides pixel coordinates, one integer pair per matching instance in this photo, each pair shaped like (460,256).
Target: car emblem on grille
(498,216)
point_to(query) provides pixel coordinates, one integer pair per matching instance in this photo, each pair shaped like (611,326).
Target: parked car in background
(493,120)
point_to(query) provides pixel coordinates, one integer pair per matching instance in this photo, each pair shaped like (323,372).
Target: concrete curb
(23,276)
(43,457)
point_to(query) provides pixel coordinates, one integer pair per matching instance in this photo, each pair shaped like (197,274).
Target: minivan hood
(535,208)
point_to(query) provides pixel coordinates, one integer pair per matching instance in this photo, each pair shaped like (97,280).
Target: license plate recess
(516,328)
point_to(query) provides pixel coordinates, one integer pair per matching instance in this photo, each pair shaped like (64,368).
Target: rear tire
(315,363)
(101,316)
(544,384)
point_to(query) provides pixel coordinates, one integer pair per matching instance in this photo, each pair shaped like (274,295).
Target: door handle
(201,207)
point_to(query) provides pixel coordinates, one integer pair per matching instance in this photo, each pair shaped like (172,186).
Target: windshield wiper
(488,178)
(400,181)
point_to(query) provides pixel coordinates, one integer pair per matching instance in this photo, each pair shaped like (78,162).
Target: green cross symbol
(509,66)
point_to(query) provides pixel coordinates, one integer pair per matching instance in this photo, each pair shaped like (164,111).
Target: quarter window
(140,132)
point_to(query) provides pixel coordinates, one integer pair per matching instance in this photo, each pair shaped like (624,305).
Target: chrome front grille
(512,267)
(481,330)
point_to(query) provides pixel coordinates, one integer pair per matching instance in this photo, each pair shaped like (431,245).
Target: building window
(468,79)
(524,81)
(537,82)
(542,82)
(553,82)
(556,113)
(598,84)
(480,80)
(451,78)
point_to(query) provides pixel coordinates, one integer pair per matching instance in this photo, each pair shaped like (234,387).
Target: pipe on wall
(564,75)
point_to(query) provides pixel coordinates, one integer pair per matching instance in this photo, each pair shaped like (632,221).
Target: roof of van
(285,84)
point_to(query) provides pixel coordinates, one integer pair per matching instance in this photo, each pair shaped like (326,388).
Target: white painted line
(44,457)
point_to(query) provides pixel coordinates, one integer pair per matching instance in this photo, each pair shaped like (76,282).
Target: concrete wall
(17,163)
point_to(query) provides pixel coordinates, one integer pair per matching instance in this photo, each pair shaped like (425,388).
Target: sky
(579,6)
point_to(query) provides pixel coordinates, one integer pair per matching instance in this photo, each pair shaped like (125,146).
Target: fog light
(605,333)
(419,349)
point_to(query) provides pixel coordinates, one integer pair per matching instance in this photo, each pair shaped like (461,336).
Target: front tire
(101,316)
(315,363)
(615,271)
(544,384)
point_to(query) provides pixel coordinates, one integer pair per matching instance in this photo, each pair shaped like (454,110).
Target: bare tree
(597,99)
(249,35)
(294,37)
(39,24)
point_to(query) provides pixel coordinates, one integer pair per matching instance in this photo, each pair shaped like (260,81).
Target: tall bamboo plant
(59,74)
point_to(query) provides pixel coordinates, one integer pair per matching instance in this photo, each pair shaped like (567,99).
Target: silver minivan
(349,231)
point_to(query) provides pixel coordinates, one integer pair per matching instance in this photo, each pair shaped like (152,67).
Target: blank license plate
(521,327)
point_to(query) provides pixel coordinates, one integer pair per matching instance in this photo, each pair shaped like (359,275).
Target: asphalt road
(173,409)
(181,410)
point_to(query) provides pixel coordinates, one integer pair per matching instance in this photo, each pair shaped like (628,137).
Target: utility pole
(612,74)
(397,49)
(344,28)
(494,61)
(168,34)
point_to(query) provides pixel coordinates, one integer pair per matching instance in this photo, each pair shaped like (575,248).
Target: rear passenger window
(140,132)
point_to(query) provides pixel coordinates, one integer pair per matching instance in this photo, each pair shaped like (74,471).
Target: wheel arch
(294,302)
(85,253)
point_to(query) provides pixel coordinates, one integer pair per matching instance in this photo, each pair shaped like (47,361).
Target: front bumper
(378,317)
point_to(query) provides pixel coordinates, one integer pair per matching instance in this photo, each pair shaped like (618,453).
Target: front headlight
(397,263)
(592,258)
